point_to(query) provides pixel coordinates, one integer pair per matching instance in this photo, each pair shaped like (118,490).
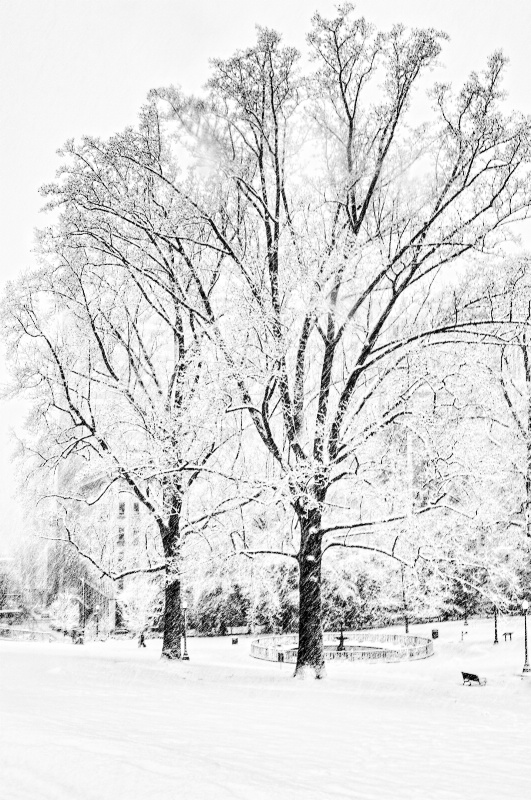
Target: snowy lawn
(108,720)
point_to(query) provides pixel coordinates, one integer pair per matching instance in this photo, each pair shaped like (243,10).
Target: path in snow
(108,721)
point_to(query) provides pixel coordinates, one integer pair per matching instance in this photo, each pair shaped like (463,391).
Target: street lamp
(527,668)
(406,620)
(184,606)
(83,609)
(495,624)
(97,614)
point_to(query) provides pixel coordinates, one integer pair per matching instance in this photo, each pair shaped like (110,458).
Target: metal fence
(358,647)
(26,635)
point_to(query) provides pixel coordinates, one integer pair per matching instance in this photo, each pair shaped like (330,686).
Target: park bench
(469,678)
(508,634)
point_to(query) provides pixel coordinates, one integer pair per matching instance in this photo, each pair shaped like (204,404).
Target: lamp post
(406,620)
(495,624)
(83,612)
(527,669)
(184,606)
(97,614)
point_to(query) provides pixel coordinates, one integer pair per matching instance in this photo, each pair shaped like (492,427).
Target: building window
(136,508)
(121,509)
(121,536)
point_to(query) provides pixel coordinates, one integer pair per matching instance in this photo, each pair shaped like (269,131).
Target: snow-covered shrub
(65,611)
(138,602)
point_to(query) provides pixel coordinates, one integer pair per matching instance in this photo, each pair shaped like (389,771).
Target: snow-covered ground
(108,720)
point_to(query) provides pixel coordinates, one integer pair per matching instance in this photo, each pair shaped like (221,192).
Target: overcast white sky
(73,67)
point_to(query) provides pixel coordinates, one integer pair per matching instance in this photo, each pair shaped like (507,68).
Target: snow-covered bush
(138,602)
(65,611)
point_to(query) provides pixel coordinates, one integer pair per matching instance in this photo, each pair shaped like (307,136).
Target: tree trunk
(310,656)
(173,623)
(171,642)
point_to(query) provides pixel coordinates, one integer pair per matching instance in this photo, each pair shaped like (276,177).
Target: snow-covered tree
(336,216)
(138,602)
(123,397)
(65,610)
(277,251)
